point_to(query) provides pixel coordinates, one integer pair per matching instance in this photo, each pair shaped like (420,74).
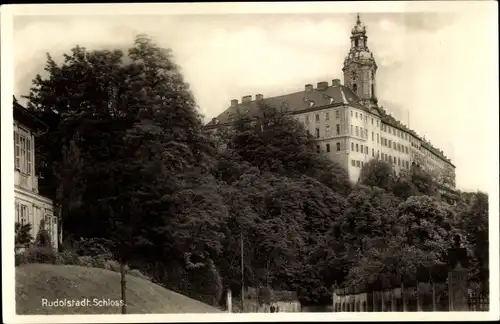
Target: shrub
(139,274)
(85,261)
(43,238)
(67,257)
(22,234)
(38,254)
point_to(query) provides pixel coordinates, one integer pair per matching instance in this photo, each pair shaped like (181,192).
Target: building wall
(30,207)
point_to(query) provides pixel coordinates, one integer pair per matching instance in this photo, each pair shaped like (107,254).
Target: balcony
(25,181)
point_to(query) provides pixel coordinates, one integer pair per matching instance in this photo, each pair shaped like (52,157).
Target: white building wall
(30,207)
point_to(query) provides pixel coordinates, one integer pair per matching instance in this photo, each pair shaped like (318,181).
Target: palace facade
(347,122)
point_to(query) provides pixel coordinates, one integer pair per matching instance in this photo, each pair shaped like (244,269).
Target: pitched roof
(297,102)
(316,99)
(23,116)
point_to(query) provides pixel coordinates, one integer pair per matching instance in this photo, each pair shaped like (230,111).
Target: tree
(125,135)
(473,220)
(279,143)
(23,234)
(377,173)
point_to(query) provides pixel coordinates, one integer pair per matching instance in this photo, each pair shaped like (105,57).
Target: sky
(437,70)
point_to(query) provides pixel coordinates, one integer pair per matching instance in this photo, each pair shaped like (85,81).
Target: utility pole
(242,274)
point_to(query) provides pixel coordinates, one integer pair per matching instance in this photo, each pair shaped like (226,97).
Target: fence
(439,288)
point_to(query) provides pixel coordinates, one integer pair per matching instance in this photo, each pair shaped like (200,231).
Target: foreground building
(30,206)
(349,125)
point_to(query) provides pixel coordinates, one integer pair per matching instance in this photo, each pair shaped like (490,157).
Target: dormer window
(355,87)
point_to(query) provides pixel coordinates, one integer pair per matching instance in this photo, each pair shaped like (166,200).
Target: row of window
(23,217)
(328,131)
(398,161)
(395,146)
(363,133)
(356,163)
(23,151)
(355,147)
(328,149)
(360,116)
(327,116)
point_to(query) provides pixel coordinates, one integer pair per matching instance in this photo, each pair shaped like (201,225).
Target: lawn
(36,282)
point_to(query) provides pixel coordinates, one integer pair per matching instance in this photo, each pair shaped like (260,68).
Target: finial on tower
(358,20)
(359,28)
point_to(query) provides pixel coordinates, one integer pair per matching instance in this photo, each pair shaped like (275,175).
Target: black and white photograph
(250,161)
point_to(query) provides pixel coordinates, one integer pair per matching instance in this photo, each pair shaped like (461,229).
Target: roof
(317,99)
(297,102)
(23,116)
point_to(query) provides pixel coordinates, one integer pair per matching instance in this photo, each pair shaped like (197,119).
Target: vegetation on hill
(127,160)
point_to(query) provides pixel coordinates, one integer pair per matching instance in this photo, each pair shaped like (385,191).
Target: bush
(36,254)
(86,261)
(137,273)
(67,257)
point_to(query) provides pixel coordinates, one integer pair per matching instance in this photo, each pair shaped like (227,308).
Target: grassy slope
(37,281)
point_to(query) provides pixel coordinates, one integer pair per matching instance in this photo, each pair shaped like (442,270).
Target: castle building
(347,122)
(30,207)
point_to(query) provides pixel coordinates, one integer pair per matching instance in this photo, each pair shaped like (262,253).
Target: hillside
(37,281)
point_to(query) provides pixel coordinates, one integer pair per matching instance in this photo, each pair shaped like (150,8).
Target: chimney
(234,102)
(335,82)
(259,97)
(246,99)
(322,85)
(309,87)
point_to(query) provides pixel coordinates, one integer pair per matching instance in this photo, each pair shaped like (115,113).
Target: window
(356,115)
(21,213)
(394,145)
(328,147)
(327,116)
(399,162)
(318,148)
(377,123)
(357,148)
(352,132)
(22,153)
(357,164)
(361,163)
(337,114)
(378,154)
(307,119)
(338,147)
(327,130)
(366,133)
(407,165)
(317,132)
(390,143)
(361,131)
(377,139)
(338,129)
(354,87)
(406,149)
(366,118)
(373,136)
(362,148)
(373,152)
(361,116)
(399,147)
(353,163)
(372,120)
(394,160)
(366,150)
(390,159)
(352,147)
(317,118)
(351,113)
(357,131)
(394,131)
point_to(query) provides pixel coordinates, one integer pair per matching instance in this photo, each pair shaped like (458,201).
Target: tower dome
(359,28)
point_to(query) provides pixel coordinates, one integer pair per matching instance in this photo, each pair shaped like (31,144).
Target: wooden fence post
(403,297)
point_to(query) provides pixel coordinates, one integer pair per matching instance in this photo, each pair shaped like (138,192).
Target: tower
(359,66)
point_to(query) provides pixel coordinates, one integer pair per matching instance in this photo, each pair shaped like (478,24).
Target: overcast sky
(435,68)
